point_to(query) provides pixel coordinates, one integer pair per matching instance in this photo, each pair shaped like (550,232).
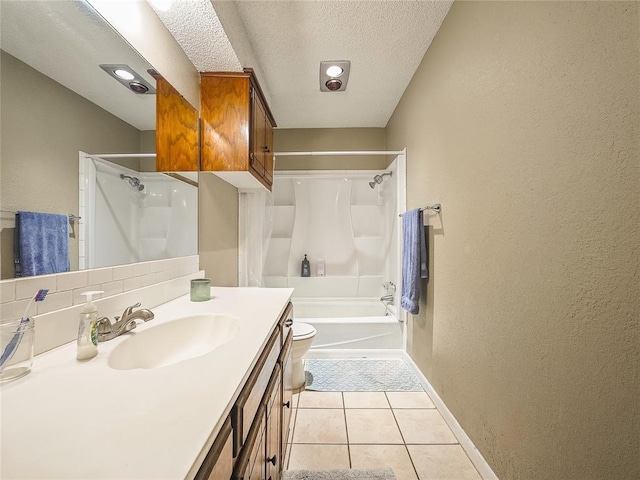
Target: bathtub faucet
(387,298)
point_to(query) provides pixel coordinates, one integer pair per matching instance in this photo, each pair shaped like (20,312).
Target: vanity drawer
(218,464)
(286,322)
(250,465)
(244,411)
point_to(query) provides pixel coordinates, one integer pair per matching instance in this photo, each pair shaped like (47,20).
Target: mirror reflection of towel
(41,243)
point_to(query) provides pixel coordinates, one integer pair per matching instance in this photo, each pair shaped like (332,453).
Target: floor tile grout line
(293,428)
(429,444)
(319,443)
(346,429)
(403,440)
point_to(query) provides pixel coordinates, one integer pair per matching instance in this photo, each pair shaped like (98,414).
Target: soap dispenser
(306,267)
(87,330)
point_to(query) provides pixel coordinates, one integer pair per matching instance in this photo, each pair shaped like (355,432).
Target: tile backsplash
(56,318)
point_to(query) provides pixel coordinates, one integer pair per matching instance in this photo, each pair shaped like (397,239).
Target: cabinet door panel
(258,132)
(268,154)
(287,393)
(176,130)
(274,426)
(250,464)
(257,469)
(224,109)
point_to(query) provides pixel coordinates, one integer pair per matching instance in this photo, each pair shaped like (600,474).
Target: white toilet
(303,335)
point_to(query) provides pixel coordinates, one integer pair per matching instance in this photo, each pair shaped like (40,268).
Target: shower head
(134,182)
(378,179)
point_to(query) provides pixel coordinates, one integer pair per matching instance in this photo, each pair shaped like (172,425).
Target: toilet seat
(302,331)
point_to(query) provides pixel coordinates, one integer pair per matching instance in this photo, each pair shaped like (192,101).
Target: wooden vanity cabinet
(252,442)
(236,129)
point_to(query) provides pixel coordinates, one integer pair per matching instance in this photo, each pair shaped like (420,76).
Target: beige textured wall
(218,230)
(147,145)
(44,125)
(523,121)
(330,139)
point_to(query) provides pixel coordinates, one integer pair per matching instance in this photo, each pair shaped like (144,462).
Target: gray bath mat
(378,474)
(360,375)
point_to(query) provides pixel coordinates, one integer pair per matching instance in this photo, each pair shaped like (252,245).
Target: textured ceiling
(196,27)
(284,41)
(67,41)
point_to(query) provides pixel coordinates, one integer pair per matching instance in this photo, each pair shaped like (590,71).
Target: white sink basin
(173,342)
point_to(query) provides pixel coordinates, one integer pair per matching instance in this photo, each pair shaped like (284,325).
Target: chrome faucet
(123,324)
(387,298)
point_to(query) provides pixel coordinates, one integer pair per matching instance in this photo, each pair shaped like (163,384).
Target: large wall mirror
(72,136)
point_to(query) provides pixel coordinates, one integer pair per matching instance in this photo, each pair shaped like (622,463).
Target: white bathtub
(349,324)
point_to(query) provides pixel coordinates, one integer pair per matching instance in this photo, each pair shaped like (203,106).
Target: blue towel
(41,243)
(414,259)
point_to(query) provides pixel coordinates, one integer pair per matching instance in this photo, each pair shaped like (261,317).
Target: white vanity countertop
(84,420)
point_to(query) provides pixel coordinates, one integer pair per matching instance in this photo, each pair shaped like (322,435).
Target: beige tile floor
(402,430)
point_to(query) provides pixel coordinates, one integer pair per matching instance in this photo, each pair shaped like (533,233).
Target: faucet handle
(389,286)
(128,310)
(103,325)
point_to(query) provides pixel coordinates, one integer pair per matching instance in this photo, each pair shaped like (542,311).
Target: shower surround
(350,223)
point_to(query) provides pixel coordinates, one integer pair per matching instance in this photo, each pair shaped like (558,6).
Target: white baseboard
(355,353)
(467,445)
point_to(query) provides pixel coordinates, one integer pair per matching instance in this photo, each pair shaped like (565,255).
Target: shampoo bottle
(87,331)
(320,267)
(306,268)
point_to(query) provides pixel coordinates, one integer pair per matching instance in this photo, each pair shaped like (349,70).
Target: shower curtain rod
(123,155)
(344,153)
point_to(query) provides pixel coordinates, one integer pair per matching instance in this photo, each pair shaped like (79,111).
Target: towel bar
(436,207)
(72,217)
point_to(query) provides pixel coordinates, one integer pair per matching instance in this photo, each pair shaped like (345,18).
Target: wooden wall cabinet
(236,129)
(176,130)
(253,441)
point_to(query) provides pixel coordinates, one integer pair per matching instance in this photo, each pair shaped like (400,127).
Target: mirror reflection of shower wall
(133,216)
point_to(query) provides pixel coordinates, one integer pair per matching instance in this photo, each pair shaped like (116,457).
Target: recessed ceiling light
(334,71)
(330,70)
(124,74)
(129,78)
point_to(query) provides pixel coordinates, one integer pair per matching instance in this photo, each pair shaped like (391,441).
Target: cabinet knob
(265,149)
(251,158)
(289,322)
(288,404)
(272,460)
